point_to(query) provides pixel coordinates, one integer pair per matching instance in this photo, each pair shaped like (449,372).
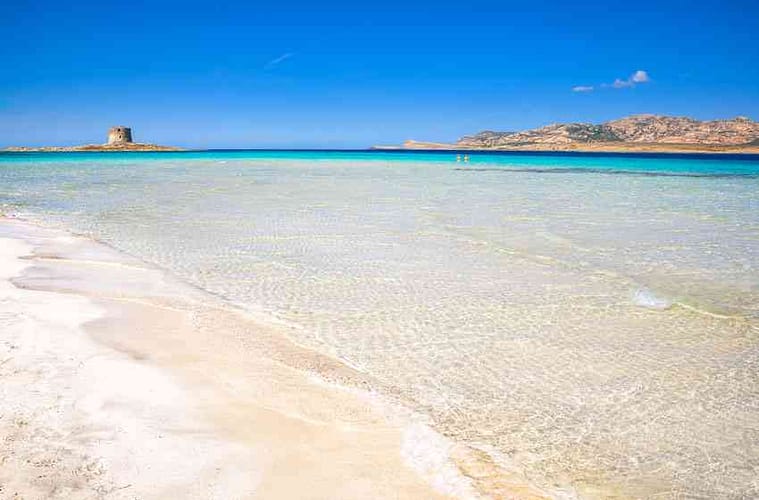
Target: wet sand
(120,382)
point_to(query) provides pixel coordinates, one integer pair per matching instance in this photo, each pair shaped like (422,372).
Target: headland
(633,134)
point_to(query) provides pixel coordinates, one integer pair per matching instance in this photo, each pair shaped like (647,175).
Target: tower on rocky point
(119,135)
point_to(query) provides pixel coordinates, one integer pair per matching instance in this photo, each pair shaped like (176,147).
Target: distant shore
(632,134)
(421,148)
(132,146)
(607,147)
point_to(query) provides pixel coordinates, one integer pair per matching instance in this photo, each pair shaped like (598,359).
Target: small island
(119,139)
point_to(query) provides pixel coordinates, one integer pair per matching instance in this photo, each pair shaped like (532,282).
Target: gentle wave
(647,298)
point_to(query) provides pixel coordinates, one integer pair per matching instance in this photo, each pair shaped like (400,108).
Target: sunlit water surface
(591,319)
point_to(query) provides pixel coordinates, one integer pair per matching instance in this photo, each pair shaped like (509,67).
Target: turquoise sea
(590,320)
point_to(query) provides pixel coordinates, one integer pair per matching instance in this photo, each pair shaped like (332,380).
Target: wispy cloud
(619,84)
(278,60)
(637,78)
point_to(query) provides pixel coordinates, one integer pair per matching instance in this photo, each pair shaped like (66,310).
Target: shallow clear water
(594,319)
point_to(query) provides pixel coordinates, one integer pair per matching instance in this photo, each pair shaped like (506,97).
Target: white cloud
(278,60)
(637,78)
(640,76)
(582,88)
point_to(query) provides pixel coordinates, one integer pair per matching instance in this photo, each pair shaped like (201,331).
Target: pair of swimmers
(466,158)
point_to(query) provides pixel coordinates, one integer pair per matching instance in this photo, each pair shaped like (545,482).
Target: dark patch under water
(610,172)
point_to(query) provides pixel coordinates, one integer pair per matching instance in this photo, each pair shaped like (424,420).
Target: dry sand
(118,382)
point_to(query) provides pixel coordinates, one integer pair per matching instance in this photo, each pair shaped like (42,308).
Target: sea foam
(644,297)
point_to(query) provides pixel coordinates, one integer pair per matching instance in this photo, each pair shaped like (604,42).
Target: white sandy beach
(118,382)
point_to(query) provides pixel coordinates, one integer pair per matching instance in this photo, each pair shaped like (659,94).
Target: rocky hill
(638,130)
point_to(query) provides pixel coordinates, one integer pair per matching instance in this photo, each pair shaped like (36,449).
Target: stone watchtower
(119,135)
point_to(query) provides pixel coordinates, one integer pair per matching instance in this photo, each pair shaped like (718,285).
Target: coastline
(120,381)
(136,146)
(426,147)
(616,148)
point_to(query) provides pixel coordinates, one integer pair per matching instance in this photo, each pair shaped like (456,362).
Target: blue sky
(342,74)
